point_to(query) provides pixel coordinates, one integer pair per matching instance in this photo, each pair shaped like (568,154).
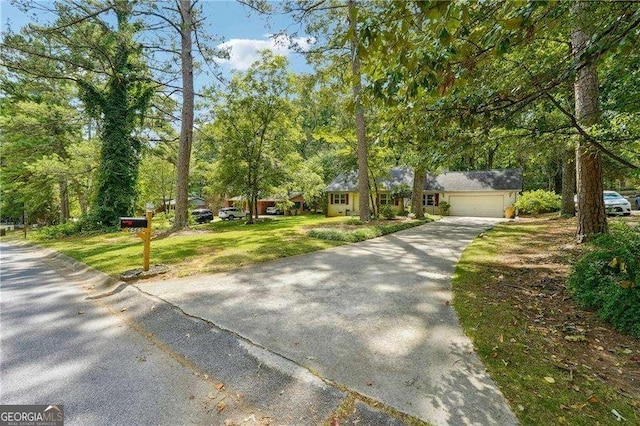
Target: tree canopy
(433,85)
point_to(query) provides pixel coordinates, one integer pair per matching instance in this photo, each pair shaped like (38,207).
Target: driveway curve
(373,317)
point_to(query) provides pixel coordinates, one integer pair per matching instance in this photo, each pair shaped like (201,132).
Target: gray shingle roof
(347,182)
(485,180)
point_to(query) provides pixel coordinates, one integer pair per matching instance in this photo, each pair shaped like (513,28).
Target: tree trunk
(186,128)
(374,199)
(255,207)
(363,179)
(418,187)
(82,198)
(557,177)
(491,155)
(592,219)
(64,201)
(251,206)
(568,183)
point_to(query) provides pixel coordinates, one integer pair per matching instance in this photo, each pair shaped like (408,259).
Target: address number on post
(133,222)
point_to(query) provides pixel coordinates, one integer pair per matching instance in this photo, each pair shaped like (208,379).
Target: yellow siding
(341,209)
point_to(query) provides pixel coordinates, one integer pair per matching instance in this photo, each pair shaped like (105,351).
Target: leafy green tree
(339,53)
(121,104)
(94,45)
(33,147)
(490,62)
(254,131)
(157,181)
(74,173)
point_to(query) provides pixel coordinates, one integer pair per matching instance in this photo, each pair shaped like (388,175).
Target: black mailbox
(133,222)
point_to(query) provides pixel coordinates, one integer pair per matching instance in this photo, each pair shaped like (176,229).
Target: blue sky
(244,31)
(247,33)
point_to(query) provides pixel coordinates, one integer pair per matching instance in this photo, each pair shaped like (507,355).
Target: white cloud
(244,52)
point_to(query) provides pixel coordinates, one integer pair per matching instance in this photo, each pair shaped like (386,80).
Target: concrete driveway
(373,317)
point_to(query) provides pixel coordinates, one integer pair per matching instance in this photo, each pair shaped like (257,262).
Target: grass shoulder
(555,362)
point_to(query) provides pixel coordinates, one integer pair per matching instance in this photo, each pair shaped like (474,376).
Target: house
(343,197)
(483,193)
(295,197)
(195,202)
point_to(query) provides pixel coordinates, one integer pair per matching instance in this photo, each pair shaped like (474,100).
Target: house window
(385,199)
(430,199)
(339,198)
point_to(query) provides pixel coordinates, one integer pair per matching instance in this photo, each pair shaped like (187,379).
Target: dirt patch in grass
(555,362)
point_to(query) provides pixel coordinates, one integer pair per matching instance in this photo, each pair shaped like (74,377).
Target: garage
(477,205)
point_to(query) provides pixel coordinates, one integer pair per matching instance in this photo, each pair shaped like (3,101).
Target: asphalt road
(56,347)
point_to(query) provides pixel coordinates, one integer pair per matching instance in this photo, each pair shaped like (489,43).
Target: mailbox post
(146,238)
(144,224)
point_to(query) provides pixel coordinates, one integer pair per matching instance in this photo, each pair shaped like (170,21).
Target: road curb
(93,280)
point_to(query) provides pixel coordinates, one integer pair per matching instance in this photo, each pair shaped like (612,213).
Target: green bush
(336,234)
(607,278)
(86,225)
(538,201)
(444,208)
(387,212)
(55,232)
(361,234)
(164,221)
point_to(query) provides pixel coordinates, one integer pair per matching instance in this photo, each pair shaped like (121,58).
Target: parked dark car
(202,215)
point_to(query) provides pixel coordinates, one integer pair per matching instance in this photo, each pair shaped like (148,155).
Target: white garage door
(477,205)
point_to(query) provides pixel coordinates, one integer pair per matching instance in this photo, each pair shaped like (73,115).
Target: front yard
(214,247)
(555,363)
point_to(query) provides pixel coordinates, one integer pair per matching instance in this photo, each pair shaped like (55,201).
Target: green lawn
(510,296)
(213,247)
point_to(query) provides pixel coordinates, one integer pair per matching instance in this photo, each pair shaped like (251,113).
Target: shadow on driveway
(373,316)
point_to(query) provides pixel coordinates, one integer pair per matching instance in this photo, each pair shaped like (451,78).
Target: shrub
(361,234)
(444,208)
(538,201)
(86,225)
(386,211)
(163,221)
(55,232)
(607,278)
